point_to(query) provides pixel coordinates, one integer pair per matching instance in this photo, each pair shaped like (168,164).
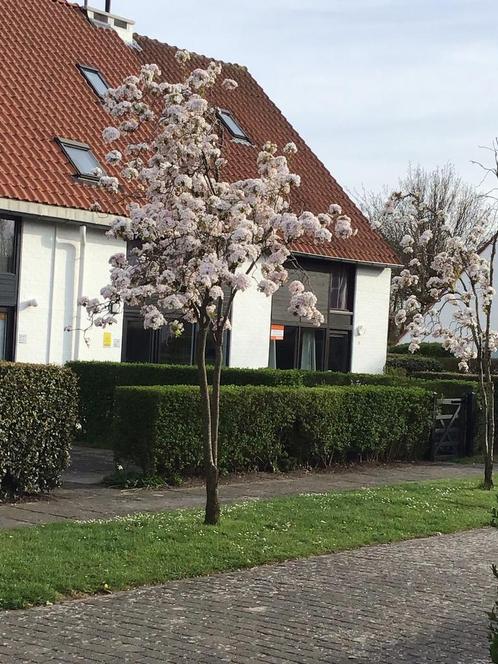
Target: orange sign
(277,333)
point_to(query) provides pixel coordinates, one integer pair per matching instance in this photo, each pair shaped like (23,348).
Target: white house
(56,60)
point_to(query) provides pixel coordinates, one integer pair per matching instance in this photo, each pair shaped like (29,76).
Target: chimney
(104,19)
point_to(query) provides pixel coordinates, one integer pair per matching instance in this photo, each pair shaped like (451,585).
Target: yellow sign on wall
(107,339)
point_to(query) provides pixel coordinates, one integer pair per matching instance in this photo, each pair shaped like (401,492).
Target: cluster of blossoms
(462,289)
(198,239)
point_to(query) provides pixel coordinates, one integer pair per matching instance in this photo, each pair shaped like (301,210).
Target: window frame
(243,136)
(67,142)
(87,68)
(350,273)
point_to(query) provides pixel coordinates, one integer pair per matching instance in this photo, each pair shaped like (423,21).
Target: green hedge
(159,429)
(98,381)
(413,363)
(38,416)
(427,349)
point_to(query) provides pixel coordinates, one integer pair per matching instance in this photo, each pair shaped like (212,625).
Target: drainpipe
(81,284)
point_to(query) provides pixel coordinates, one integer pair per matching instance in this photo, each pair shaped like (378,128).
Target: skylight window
(232,125)
(81,157)
(95,79)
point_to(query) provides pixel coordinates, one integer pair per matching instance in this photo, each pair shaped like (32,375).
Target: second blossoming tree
(199,239)
(459,281)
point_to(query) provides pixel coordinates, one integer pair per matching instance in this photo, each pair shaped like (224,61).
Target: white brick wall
(371,313)
(250,335)
(56,267)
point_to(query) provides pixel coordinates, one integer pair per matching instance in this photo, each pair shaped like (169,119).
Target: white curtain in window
(308,349)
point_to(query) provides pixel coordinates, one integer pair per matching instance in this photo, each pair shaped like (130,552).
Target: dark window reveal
(232,125)
(95,79)
(81,157)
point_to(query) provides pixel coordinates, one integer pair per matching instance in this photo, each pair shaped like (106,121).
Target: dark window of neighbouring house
(232,125)
(138,342)
(81,157)
(95,79)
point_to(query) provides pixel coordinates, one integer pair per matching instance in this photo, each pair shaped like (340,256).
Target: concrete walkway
(82,498)
(417,602)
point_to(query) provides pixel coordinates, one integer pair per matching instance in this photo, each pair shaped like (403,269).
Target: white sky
(371,85)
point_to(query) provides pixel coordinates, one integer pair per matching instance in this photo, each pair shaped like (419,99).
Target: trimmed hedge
(413,363)
(98,380)
(159,428)
(427,349)
(38,416)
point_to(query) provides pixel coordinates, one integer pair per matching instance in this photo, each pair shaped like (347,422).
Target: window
(232,125)
(341,288)
(339,351)
(176,350)
(300,348)
(81,157)
(95,79)
(7,245)
(6,323)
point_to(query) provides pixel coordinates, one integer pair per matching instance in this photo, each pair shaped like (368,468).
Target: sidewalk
(82,498)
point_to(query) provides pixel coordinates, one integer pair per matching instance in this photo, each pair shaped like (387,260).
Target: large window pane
(285,350)
(312,346)
(176,350)
(6,323)
(341,288)
(339,351)
(139,341)
(7,245)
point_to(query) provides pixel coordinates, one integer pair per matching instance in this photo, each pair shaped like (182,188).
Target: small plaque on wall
(107,339)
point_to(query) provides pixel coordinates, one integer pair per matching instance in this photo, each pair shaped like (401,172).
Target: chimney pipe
(108,6)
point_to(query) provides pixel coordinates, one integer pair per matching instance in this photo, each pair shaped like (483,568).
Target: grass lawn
(46,563)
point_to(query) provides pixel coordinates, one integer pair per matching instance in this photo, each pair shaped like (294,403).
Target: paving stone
(416,602)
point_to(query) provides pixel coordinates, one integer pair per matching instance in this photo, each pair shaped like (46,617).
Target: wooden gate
(454,427)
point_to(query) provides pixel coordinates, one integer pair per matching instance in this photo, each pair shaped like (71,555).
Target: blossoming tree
(433,206)
(199,240)
(461,286)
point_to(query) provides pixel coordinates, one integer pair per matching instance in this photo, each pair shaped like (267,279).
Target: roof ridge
(194,53)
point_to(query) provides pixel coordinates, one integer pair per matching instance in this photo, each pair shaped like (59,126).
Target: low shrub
(413,363)
(265,428)
(38,416)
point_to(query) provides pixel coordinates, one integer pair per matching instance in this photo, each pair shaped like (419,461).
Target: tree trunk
(490,435)
(212,511)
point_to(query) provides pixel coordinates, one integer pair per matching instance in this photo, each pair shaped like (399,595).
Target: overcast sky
(371,85)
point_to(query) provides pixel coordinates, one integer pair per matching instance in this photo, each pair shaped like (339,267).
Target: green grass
(46,563)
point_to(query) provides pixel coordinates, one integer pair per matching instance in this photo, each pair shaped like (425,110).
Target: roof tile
(41,44)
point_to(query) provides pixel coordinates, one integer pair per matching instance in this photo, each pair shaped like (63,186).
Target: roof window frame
(67,142)
(238,138)
(84,68)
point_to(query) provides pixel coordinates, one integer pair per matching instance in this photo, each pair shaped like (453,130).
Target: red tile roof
(45,96)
